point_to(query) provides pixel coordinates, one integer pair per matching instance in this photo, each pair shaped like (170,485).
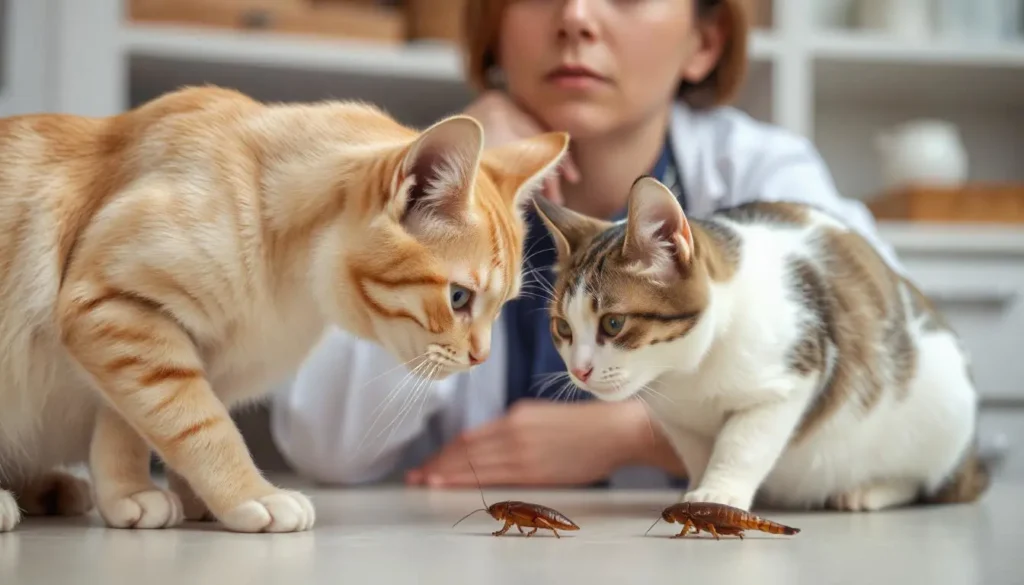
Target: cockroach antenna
(478,487)
(652,526)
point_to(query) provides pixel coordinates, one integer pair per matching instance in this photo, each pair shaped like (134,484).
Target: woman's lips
(575,77)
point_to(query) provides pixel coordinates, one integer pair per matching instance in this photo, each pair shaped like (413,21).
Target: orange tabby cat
(161,266)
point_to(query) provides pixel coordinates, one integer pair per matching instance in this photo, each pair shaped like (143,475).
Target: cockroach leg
(545,524)
(530,533)
(521,529)
(711,529)
(686,529)
(731,532)
(504,529)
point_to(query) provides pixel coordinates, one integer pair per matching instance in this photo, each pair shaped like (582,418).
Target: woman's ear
(708,44)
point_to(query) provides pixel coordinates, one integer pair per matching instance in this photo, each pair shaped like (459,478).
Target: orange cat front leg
(147,368)
(125,493)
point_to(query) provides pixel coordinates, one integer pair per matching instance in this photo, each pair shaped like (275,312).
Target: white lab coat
(319,420)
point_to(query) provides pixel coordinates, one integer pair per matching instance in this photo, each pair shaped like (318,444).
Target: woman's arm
(333,418)
(644,443)
(541,442)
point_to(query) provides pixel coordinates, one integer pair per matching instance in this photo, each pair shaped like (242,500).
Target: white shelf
(197,45)
(414,61)
(874,48)
(958,238)
(864,67)
(418,82)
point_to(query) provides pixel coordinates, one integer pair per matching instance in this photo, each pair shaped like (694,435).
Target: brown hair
(482,20)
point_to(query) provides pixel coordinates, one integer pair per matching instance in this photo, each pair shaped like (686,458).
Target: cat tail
(968,481)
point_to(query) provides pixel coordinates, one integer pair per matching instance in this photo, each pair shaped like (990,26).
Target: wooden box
(973,203)
(336,19)
(439,20)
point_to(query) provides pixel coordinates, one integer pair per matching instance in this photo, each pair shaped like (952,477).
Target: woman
(641,87)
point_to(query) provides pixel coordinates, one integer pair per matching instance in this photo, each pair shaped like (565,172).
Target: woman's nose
(578,19)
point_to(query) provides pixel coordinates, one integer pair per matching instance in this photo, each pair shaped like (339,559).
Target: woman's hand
(505,122)
(545,443)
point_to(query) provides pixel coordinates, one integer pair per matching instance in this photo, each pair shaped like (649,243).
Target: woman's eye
(459,296)
(612,323)
(562,327)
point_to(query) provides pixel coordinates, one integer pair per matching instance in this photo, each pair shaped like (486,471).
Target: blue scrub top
(532,357)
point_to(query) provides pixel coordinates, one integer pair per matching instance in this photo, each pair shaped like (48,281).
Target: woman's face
(593,67)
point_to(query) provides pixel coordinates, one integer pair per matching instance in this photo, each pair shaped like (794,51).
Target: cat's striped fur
(160,266)
(782,356)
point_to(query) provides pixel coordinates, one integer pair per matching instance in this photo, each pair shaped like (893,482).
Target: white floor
(405,536)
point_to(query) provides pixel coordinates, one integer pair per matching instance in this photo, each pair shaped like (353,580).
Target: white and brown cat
(160,266)
(783,358)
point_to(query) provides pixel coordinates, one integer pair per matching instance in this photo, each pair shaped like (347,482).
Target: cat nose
(478,357)
(583,373)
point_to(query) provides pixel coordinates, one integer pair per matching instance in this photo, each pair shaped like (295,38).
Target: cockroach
(521,514)
(718,519)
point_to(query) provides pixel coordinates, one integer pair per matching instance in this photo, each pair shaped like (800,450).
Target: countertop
(398,535)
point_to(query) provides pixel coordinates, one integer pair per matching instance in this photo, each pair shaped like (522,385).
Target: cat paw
(10,514)
(874,497)
(283,511)
(714,496)
(56,493)
(153,508)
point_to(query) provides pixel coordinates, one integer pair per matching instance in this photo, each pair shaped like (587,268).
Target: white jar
(922,152)
(906,19)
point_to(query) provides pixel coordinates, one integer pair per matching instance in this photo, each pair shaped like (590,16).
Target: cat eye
(459,296)
(612,324)
(563,328)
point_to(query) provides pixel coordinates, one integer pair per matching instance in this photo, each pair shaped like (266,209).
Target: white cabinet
(975,275)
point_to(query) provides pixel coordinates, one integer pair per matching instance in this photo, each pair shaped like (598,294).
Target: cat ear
(658,238)
(519,168)
(568,229)
(436,175)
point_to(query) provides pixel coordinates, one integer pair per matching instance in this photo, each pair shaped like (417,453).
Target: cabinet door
(26,51)
(981,292)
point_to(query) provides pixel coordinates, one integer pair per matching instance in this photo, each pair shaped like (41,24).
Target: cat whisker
(423,402)
(407,404)
(576,392)
(389,370)
(534,287)
(531,295)
(393,394)
(552,379)
(655,393)
(563,391)
(647,409)
(539,291)
(531,254)
(417,395)
(534,272)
